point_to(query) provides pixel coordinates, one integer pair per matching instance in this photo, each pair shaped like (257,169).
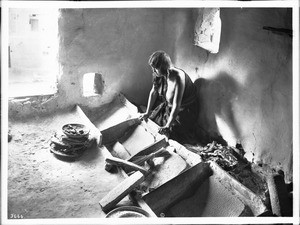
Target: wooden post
(120,191)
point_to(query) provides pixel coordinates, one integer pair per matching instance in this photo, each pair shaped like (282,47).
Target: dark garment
(186,120)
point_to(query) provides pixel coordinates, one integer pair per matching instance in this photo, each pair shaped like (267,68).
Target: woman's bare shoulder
(176,74)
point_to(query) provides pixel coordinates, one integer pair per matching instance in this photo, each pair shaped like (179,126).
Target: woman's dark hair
(160,60)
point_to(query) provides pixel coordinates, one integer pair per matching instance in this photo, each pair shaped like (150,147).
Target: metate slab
(211,199)
(117,111)
(137,139)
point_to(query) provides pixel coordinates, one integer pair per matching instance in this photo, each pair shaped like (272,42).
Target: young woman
(172,102)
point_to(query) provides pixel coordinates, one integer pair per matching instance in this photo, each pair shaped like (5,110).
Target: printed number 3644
(16,216)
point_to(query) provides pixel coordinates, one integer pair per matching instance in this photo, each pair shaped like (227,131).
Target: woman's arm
(151,99)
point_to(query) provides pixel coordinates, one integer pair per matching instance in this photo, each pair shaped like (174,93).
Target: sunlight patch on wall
(225,131)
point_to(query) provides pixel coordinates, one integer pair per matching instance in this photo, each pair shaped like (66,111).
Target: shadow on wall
(216,98)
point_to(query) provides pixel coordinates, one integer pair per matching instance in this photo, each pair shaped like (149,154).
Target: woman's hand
(165,130)
(144,116)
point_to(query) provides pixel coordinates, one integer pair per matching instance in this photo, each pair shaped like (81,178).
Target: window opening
(92,84)
(208,29)
(33,50)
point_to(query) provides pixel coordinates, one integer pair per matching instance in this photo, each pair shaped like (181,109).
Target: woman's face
(157,72)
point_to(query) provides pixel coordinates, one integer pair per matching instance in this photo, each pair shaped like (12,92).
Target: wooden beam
(279,30)
(120,191)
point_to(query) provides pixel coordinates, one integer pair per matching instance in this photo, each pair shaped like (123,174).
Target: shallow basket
(127,211)
(79,130)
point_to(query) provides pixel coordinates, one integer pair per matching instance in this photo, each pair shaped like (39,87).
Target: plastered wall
(112,42)
(245,90)
(115,43)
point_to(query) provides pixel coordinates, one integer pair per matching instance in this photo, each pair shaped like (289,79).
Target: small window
(33,51)
(208,29)
(92,84)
